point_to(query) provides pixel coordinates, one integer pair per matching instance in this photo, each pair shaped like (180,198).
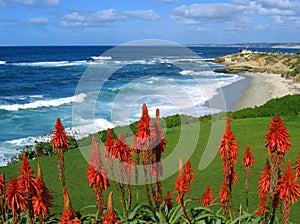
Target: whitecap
(45,103)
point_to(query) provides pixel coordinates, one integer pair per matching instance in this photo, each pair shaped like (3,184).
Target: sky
(112,22)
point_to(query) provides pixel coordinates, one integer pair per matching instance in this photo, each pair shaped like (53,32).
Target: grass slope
(247,131)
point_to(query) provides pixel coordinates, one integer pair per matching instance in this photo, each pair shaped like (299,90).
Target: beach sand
(264,87)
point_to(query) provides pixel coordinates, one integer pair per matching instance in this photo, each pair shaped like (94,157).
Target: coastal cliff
(286,64)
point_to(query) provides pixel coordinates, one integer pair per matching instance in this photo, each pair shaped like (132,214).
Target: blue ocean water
(101,83)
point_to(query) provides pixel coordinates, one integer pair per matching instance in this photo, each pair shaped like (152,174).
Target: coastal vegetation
(243,150)
(286,64)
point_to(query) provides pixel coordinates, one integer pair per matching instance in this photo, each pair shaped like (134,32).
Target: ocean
(92,88)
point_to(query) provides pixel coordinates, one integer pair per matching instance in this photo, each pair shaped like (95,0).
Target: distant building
(245,51)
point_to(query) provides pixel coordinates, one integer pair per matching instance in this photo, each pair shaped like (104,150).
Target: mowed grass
(247,131)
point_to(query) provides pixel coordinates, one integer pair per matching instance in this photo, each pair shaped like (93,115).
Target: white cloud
(278,11)
(142,14)
(39,20)
(203,13)
(77,19)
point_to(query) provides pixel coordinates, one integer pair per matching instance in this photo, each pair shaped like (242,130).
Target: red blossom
(110,215)
(2,184)
(189,172)
(288,186)
(264,180)
(146,135)
(248,157)
(97,173)
(168,200)
(68,214)
(207,197)
(262,206)
(109,146)
(26,178)
(228,146)
(183,181)
(297,167)
(43,199)
(60,138)
(223,195)
(14,197)
(277,136)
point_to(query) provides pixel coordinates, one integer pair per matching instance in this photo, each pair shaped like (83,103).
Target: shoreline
(264,87)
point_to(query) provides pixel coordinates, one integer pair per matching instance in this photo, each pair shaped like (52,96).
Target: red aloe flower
(264,180)
(109,148)
(228,151)
(110,215)
(207,197)
(68,214)
(288,187)
(277,136)
(2,184)
(183,182)
(14,197)
(288,190)
(189,172)
(297,168)
(248,162)
(60,138)
(264,188)
(248,157)
(228,146)
(168,200)
(2,196)
(122,151)
(223,195)
(97,173)
(43,199)
(26,178)
(60,142)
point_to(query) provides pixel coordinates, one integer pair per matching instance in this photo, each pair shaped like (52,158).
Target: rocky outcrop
(286,64)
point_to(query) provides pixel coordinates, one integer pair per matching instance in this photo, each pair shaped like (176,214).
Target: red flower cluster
(228,151)
(264,188)
(297,168)
(277,136)
(110,215)
(207,197)
(60,138)
(42,201)
(184,178)
(68,214)
(97,173)
(248,160)
(288,186)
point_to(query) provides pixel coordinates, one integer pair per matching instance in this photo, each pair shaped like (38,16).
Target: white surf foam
(2,62)
(45,103)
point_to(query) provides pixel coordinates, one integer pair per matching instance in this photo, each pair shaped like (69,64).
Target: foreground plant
(68,215)
(277,143)
(288,191)
(228,149)
(97,176)
(183,184)
(248,162)
(60,142)
(28,186)
(42,201)
(2,197)
(110,215)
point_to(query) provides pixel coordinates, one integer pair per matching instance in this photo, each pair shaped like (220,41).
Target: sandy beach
(264,87)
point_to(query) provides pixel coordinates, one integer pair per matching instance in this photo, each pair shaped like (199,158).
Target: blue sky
(96,22)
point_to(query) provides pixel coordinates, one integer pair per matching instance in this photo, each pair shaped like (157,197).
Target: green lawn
(247,131)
